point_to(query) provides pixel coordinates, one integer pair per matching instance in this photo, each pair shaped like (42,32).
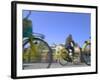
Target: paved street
(53,65)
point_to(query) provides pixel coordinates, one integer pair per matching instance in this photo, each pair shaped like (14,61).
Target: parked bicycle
(35,49)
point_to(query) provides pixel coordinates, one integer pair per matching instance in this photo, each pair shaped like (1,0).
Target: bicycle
(64,56)
(86,54)
(35,49)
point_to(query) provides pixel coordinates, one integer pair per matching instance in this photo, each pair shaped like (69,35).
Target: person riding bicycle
(69,44)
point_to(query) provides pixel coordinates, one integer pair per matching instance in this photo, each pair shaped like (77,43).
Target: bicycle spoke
(39,52)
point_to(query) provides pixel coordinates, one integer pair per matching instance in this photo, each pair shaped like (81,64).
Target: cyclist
(69,44)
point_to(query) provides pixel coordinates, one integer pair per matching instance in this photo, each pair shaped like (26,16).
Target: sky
(56,26)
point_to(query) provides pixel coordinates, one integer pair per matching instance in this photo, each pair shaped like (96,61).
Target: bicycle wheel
(39,55)
(76,55)
(64,57)
(86,58)
(86,54)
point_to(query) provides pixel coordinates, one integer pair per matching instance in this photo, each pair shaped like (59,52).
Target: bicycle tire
(63,62)
(64,59)
(49,54)
(85,57)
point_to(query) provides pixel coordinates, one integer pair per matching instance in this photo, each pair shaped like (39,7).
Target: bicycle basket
(27,27)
